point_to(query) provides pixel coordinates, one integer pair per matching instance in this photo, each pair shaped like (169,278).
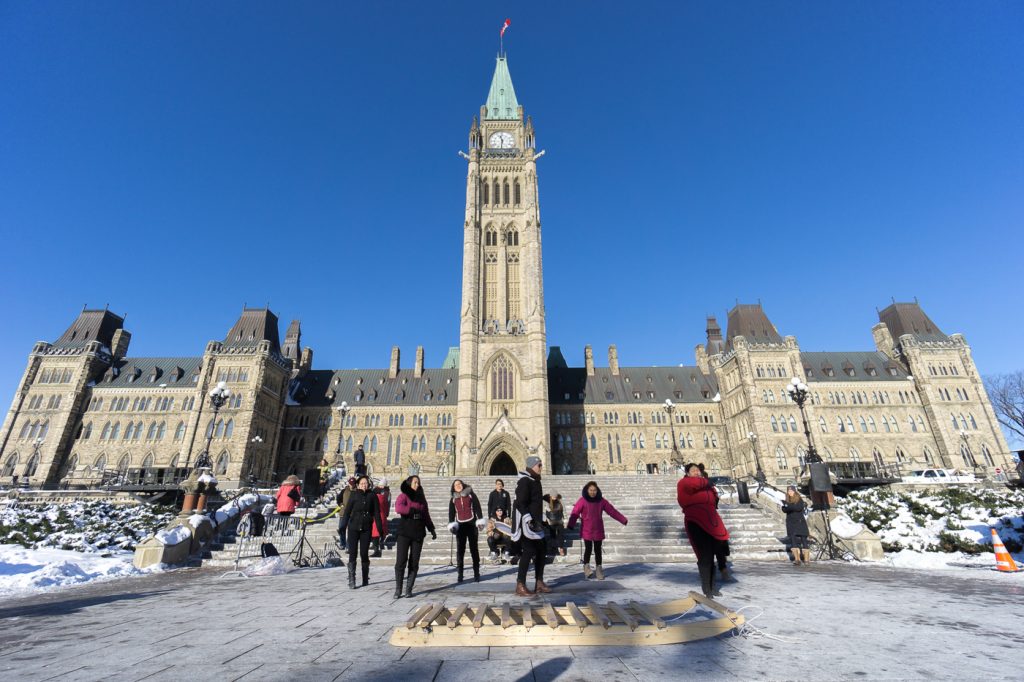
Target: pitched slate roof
(571,385)
(909,318)
(136,372)
(749,321)
(372,387)
(851,366)
(254,325)
(91,325)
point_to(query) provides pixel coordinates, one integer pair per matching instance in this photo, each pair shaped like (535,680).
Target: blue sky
(178,160)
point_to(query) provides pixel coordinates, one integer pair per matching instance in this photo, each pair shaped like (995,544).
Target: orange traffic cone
(1004,562)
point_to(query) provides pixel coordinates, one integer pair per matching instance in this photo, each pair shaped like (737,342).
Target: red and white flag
(508,22)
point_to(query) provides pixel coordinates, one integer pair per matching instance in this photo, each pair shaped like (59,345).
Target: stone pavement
(827,621)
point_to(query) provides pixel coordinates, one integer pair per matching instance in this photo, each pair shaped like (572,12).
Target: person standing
(342,500)
(464,515)
(360,459)
(704,527)
(411,506)
(722,551)
(556,523)
(590,510)
(288,495)
(796,526)
(499,499)
(325,475)
(360,511)
(529,511)
(380,526)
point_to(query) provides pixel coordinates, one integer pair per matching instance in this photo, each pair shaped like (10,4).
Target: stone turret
(394,366)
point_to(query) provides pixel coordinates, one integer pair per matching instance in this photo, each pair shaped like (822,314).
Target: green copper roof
(451,361)
(501,100)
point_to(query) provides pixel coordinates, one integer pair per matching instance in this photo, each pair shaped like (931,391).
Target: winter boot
(586,571)
(541,588)
(366,574)
(707,579)
(460,577)
(599,572)
(376,547)
(409,583)
(796,553)
(398,586)
(523,591)
(725,574)
(476,573)
(807,555)
(352,575)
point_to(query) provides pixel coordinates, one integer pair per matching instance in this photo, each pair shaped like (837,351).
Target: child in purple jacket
(589,508)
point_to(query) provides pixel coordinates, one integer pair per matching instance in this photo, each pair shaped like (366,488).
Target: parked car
(938,476)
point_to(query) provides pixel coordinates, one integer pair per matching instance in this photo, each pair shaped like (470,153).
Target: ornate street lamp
(670,409)
(255,440)
(343,411)
(759,475)
(219,396)
(797,392)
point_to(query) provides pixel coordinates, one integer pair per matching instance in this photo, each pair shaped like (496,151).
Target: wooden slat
(577,615)
(623,616)
(527,616)
(453,620)
(478,616)
(550,616)
(417,614)
(645,612)
(506,616)
(601,616)
(432,615)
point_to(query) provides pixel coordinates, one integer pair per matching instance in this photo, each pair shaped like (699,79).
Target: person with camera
(413,525)
(361,511)
(529,514)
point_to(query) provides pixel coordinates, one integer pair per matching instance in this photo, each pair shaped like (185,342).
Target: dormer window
(678,395)
(636,395)
(626,379)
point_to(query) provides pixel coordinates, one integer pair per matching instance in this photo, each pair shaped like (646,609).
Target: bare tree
(1006,391)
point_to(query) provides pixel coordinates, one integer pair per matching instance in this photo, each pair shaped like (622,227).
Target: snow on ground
(83,526)
(36,570)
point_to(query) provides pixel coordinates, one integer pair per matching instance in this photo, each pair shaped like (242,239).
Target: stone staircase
(654,533)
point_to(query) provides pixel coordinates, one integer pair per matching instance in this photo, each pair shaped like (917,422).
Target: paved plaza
(827,621)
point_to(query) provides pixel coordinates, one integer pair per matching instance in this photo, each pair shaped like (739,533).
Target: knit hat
(532,461)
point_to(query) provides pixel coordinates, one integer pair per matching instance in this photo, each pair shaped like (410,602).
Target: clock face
(502,140)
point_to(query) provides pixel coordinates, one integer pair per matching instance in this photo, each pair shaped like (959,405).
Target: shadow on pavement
(61,608)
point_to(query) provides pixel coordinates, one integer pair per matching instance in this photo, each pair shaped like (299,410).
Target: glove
(433,535)
(534,526)
(453,526)
(480,524)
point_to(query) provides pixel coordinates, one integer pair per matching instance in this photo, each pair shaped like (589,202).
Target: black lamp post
(797,391)
(256,441)
(759,470)
(670,409)
(343,411)
(219,396)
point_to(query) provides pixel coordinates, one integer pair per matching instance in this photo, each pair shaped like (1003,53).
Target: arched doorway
(503,465)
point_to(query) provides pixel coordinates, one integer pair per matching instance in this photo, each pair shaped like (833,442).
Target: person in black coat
(464,517)
(499,499)
(361,510)
(796,526)
(360,459)
(529,515)
(413,524)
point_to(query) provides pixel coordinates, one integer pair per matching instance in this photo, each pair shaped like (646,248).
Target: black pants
(721,552)
(705,546)
(592,545)
(359,540)
(533,550)
(556,541)
(497,544)
(798,542)
(407,554)
(467,533)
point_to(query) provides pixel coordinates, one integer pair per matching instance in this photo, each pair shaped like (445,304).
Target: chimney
(613,359)
(119,343)
(393,368)
(418,368)
(588,358)
(305,361)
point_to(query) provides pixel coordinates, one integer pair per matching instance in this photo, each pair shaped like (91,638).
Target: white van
(938,476)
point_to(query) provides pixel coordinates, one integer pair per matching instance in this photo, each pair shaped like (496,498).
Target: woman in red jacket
(704,527)
(288,495)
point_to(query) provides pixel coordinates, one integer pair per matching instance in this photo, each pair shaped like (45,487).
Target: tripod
(303,543)
(828,549)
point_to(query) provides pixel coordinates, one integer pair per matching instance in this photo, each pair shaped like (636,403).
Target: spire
(501,100)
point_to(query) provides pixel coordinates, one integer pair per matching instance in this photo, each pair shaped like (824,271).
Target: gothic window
(497,193)
(643,441)
(839,425)
(129,431)
(506,197)
(920,424)
(987,455)
(502,379)
(927,455)
(122,464)
(901,457)
(863,425)
(437,445)
(792,424)
(854,454)
(486,199)
(448,442)
(316,444)
(366,443)
(398,451)
(179,432)
(849,424)
(415,444)
(518,195)
(822,425)
(593,442)
(87,431)
(974,424)
(963,422)
(877,456)
(10,466)
(221,468)
(568,442)
(895,424)
(25,428)
(512,282)
(33,464)
(491,286)
(611,456)
(657,441)
(871,425)
(780,458)
(775,423)
(151,434)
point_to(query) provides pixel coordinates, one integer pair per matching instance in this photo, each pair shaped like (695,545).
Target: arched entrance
(503,465)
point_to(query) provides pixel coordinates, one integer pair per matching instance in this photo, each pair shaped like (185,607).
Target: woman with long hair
(411,506)
(590,510)
(796,526)
(361,512)
(464,515)
(704,527)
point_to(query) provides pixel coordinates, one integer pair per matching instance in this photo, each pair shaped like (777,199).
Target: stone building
(85,407)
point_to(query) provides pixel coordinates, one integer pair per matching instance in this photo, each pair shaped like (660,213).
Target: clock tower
(503,386)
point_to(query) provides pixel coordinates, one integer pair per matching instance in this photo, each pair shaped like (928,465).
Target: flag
(508,22)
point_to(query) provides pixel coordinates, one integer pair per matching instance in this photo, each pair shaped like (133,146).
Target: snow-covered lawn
(82,526)
(33,570)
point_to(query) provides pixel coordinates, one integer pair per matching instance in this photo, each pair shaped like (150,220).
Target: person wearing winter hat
(288,495)
(528,513)
(361,512)
(411,506)
(589,509)
(464,517)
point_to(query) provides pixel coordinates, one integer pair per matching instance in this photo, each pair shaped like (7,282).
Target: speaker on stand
(823,500)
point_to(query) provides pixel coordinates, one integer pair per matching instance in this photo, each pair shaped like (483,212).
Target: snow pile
(82,526)
(174,536)
(34,570)
(845,527)
(240,504)
(936,528)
